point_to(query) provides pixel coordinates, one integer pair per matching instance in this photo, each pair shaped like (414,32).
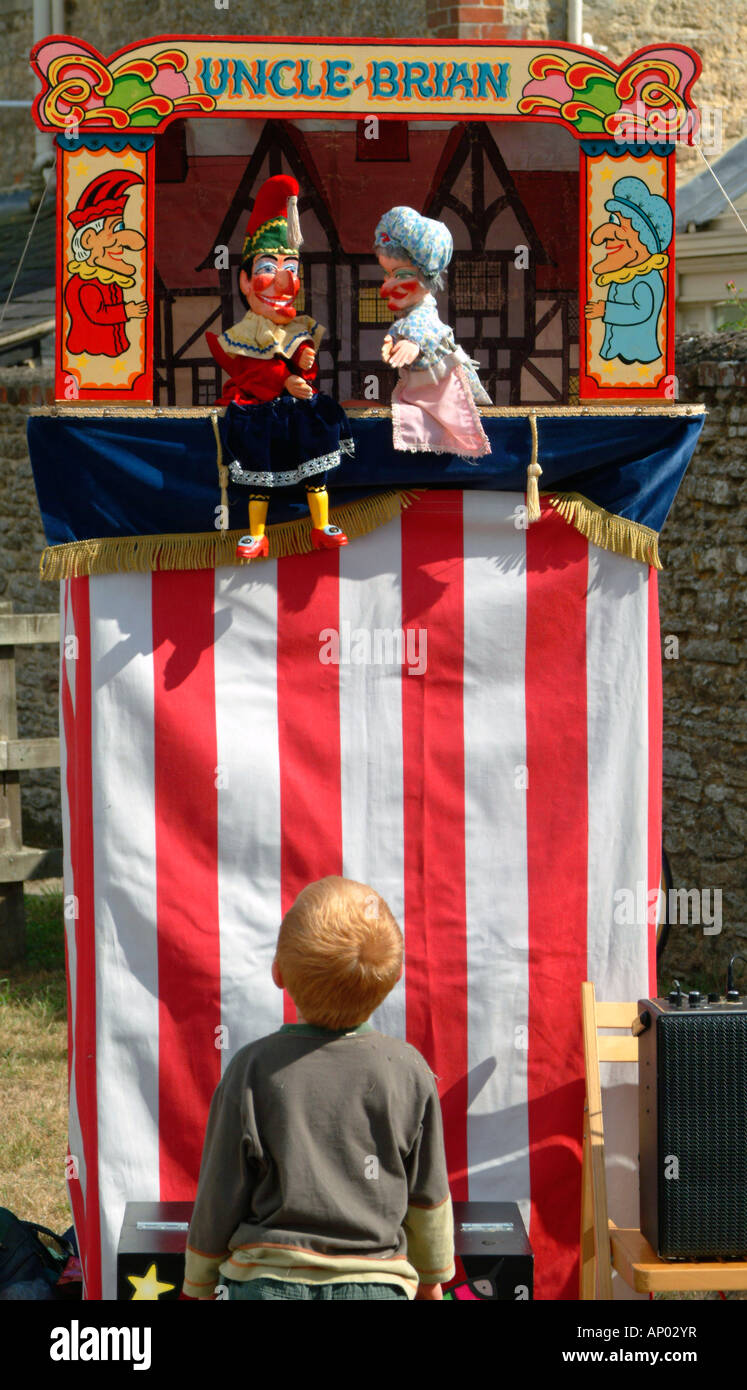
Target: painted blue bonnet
(427,243)
(650,215)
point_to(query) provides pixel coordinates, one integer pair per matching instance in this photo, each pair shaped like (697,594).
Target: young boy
(323,1172)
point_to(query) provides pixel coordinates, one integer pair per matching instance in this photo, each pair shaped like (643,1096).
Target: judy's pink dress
(434,404)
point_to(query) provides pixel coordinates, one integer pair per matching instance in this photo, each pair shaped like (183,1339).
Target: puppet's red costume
(252,381)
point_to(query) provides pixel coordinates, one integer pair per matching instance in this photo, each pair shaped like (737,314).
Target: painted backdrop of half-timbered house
(511,293)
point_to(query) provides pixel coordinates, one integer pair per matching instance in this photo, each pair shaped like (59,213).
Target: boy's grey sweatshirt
(323,1160)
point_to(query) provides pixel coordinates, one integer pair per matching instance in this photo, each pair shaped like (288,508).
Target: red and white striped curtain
(483,747)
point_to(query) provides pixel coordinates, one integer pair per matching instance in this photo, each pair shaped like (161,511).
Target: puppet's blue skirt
(284,442)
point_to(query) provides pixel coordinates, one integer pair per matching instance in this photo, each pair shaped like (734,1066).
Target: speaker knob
(714,998)
(693,998)
(733,996)
(675,998)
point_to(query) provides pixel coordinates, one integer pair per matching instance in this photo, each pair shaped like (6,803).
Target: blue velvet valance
(139,474)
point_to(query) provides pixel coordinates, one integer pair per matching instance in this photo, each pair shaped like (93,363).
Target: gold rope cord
(209,550)
(374,412)
(610,532)
(222,471)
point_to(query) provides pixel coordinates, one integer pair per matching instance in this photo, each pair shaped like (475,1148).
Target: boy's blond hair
(339,952)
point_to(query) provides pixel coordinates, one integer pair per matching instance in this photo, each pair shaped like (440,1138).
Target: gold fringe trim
(608,531)
(209,550)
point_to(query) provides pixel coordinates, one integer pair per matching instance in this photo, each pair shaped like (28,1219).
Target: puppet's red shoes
(327,538)
(252,547)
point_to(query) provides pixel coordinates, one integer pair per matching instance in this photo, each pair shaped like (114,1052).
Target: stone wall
(109,27)
(716,29)
(702,607)
(702,602)
(17,83)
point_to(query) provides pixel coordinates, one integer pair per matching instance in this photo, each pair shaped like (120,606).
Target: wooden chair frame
(604,1246)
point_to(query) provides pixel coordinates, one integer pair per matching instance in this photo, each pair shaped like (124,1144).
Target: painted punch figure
(434,405)
(280,431)
(99,272)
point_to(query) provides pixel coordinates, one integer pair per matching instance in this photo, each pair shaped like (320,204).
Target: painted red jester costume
(280,430)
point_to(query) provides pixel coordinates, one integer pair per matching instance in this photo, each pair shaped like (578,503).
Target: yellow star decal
(148,1286)
(606,174)
(82,167)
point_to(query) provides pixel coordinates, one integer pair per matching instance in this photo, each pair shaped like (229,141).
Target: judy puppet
(434,404)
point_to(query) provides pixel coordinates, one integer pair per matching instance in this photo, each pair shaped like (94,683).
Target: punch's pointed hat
(103,197)
(273,225)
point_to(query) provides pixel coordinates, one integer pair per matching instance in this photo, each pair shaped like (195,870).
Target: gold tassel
(533,473)
(610,532)
(210,550)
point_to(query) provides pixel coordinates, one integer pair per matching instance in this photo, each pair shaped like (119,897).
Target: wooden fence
(18,862)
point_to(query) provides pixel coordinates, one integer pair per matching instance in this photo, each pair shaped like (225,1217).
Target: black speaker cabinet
(497,1259)
(693,1128)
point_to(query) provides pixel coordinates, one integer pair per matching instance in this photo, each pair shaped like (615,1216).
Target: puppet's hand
(298,388)
(403,353)
(386,347)
(306,359)
(136,310)
(595,309)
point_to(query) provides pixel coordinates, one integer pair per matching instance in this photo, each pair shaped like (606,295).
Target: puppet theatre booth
(432,663)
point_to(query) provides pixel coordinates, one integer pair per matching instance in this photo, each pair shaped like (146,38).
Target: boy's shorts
(282,1290)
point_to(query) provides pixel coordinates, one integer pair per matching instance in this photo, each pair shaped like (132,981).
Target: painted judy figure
(635,239)
(281,432)
(434,405)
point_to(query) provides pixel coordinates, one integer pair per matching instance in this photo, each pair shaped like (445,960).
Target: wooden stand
(603,1246)
(17,861)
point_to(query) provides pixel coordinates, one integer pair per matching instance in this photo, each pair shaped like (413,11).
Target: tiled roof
(33,298)
(701,200)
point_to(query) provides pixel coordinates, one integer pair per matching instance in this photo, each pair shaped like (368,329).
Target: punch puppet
(434,404)
(281,432)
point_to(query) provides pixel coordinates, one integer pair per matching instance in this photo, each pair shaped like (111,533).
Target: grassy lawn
(33,1063)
